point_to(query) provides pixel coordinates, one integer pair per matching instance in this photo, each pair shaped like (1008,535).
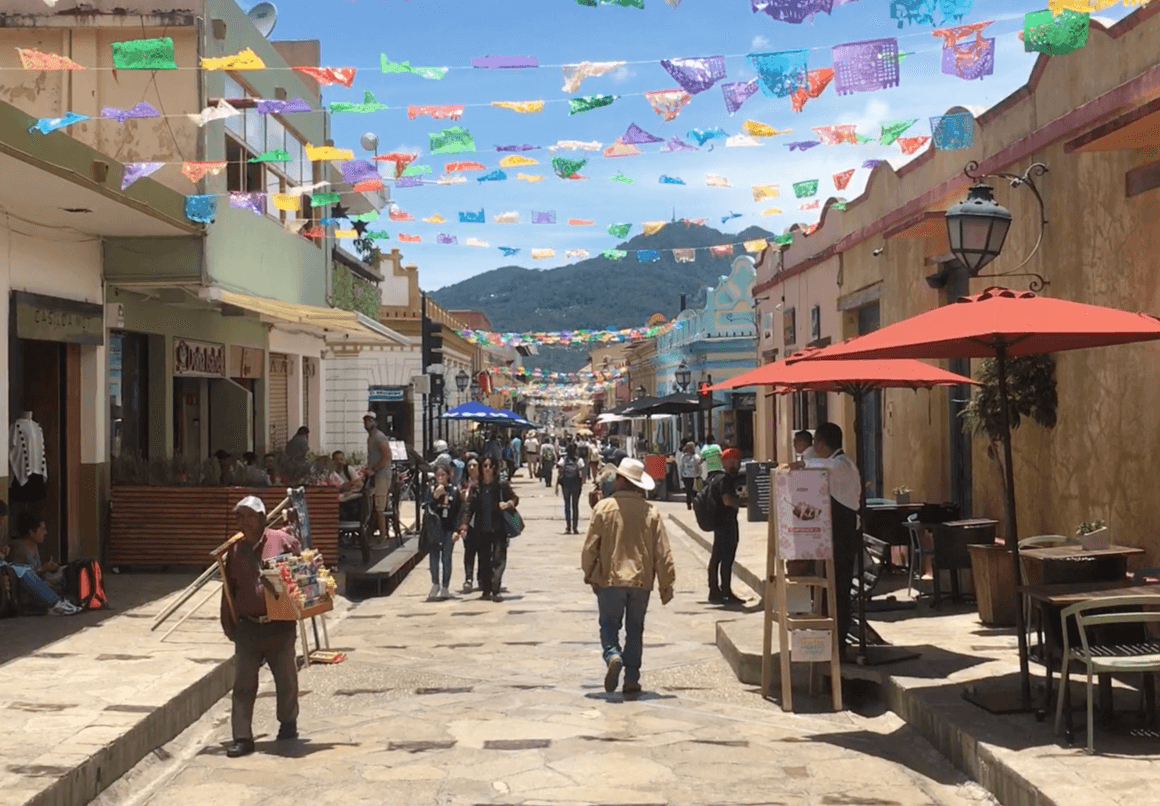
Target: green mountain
(598,293)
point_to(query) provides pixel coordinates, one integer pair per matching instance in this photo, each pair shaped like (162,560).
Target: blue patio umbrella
(516,421)
(474,410)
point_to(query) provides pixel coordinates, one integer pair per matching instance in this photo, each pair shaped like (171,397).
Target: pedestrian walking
(722,467)
(570,479)
(583,453)
(471,554)
(257,641)
(492,499)
(689,467)
(517,453)
(444,502)
(378,471)
(532,449)
(625,552)
(547,462)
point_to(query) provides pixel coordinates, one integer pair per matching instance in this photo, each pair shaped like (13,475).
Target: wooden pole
(193,610)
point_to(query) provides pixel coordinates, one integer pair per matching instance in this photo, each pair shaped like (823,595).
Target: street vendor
(256,640)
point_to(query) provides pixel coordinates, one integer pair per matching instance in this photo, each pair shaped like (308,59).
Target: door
(278,389)
(231,417)
(870,446)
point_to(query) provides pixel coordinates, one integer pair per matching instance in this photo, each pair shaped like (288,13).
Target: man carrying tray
(256,640)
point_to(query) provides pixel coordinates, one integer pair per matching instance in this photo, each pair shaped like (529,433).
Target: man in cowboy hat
(256,640)
(627,548)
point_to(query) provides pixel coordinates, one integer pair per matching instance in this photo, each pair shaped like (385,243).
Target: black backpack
(706,503)
(570,473)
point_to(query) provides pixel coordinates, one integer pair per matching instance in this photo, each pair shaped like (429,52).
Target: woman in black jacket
(491,500)
(444,502)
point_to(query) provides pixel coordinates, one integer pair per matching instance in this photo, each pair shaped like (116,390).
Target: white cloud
(760,43)
(622,74)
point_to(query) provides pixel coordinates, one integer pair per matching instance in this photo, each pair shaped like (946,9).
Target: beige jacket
(627,545)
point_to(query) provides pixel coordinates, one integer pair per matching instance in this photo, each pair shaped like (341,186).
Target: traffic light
(432,343)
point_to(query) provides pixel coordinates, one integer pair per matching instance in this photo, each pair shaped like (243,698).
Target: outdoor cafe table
(950,549)
(1058,565)
(1050,600)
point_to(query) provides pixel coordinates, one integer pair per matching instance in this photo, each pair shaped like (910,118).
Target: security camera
(878,252)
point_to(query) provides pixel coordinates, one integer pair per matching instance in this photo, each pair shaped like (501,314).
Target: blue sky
(451,32)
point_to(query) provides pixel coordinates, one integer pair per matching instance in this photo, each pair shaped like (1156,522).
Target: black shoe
(612,676)
(495,597)
(730,599)
(716,597)
(287,730)
(485,595)
(240,747)
(631,690)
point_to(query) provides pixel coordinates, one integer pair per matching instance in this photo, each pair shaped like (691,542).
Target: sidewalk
(1016,757)
(82,710)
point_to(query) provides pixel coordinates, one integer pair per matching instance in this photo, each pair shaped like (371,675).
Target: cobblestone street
(472,702)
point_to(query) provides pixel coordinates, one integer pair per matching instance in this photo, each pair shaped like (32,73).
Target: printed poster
(804,530)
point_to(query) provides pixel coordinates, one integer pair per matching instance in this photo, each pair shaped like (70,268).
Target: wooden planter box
(995,584)
(155,526)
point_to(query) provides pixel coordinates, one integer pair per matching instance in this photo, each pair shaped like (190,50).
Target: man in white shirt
(803,445)
(845,500)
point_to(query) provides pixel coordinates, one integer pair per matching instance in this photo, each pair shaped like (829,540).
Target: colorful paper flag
(619,149)
(399,214)
(495,176)
(222,111)
(144,54)
(579,222)
(1055,35)
(576,145)
(737,93)
(721,250)
(703,136)
(653,227)
(543,254)
(685,255)
(446,239)
(614,254)
(530,178)
(574,74)
(780,73)
(328,153)
(476,242)
(46,125)
(543,217)
(676,144)
(430,73)
(255,201)
(287,202)
(803,145)
(139,170)
(622,3)
(620,177)
(245,60)
(354,171)
(765,192)
(368,105)
(696,74)
(516,160)
(523,107)
(638,136)
(792,11)
(806,188)
(581,254)
(401,161)
(836,135)
(372,215)
(670,180)
(816,83)
(755,129)
(504,62)
(892,128)
(668,103)
(648,255)
(455,140)
(460,167)
(377,235)
(144,109)
(196,171)
(742,141)
(716,181)
(436,111)
(325,199)
(434,219)
(842,179)
(619,230)
(31,59)
(329,75)
(346,234)
(565,167)
(201,209)
(472,218)
(589,102)
(814,205)
(509,251)
(410,238)
(273,155)
(872,164)
(730,217)
(909,145)
(954,131)
(865,66)
(755,246)
(771,211)
(509,217)
(273,106)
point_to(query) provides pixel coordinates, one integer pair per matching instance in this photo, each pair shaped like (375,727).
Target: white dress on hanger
(26,451)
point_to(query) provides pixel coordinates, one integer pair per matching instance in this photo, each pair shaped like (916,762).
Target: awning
(336,326)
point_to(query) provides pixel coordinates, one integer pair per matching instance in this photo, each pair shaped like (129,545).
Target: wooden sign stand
(821,617)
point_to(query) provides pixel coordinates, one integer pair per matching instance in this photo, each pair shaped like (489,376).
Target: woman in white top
(689,466)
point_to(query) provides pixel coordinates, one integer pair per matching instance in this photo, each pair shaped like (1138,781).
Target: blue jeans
(34,586)
(571,507)
(442,554)
(627,606)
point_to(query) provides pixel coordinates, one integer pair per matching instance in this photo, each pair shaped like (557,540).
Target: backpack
(570,473)
(9,592)
(548,454)
(705,506)
(83,585)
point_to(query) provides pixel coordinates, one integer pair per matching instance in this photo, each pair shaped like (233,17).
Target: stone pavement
(1015,756)
(475,702)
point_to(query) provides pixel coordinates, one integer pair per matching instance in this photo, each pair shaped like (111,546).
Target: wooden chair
(1142,655)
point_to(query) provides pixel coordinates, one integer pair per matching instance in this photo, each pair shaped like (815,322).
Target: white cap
(253,503)
(372,415)
(440,445)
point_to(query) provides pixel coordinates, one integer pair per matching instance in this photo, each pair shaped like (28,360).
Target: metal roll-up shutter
(279,393)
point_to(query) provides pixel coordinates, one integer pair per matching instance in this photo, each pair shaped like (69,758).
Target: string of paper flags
(539,374)
(565,337)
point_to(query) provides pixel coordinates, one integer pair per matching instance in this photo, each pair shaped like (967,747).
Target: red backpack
(83,585)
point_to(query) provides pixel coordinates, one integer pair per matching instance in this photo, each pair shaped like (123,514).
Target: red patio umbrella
(999,323)
(855,378)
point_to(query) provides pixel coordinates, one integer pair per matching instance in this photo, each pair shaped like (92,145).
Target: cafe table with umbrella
(999,323)
(855,378)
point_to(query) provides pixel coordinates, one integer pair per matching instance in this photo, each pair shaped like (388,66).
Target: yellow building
(1093,118)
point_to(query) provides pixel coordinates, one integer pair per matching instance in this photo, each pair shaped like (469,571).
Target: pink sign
(802,501)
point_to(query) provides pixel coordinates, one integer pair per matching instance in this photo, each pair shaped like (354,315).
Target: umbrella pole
(1013,536)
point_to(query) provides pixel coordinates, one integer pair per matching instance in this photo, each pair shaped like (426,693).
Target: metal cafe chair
(1137,655)
(918,554)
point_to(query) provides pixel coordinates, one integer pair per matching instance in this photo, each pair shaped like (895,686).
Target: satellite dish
(370,141)
(264,16)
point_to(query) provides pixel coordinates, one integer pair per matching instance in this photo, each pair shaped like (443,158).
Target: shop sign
(387,394)
(46,318)
(198,359)
(745,401)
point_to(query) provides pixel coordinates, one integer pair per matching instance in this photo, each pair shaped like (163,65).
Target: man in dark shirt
(723,467)
(255,639)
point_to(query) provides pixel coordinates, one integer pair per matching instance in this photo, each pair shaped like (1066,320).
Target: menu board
(757,483)
(802,500)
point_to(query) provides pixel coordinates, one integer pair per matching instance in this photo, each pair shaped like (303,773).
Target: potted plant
(901,494)
(1094,535)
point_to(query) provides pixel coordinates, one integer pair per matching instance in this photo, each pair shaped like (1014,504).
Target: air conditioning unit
(421,384)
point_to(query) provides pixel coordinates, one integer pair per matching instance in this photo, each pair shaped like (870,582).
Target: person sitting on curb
(29,582)
(625,552)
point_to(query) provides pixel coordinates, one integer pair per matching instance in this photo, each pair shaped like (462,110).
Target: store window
(128,395)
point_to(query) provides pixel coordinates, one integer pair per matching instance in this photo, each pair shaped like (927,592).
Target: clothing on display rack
(27,459)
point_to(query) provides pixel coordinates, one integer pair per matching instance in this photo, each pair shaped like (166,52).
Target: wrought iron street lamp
(683,376)
(461,381)
(475,388)
(641,392)
(977,227)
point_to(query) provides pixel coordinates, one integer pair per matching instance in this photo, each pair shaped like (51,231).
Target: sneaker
(467,586)
(287,730)
(612,676)
(240,747)
(64,608)
(434,594)
(444,593)
(631,690)
(731,599)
